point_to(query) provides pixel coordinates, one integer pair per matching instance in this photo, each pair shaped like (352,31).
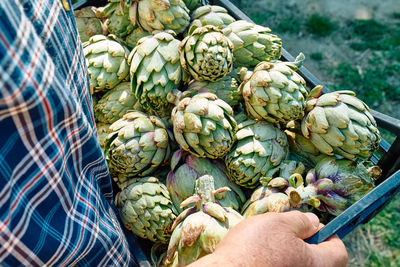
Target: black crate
(387,157)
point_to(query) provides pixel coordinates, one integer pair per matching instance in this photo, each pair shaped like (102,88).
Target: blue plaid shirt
(55,190)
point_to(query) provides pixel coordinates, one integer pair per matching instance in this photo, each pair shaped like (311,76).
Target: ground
(349,45)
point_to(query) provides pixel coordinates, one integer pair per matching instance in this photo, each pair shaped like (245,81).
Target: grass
(319,25)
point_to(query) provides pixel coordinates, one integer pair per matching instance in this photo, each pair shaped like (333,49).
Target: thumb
(303,225)
(332,249)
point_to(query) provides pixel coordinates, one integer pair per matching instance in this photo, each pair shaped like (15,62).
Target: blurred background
(349,45)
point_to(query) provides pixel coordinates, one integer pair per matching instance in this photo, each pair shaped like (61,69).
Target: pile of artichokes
(202,124)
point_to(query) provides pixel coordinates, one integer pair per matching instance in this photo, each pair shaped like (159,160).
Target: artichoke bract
(227,89)
(118,22)
(159,15)
(137,145)
(156,72)
(115,103)
(102,132)
(339,123)
(213,15)
(333,186)
(198,230)
(106,62)
(259,148)
(206,53)
(88,24)
(275,92)
(186,169)
(252,43)
(204,125)
(146,209)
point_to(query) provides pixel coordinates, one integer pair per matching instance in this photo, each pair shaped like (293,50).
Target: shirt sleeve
(55,189)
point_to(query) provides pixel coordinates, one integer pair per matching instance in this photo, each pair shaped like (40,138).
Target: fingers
(331,252)
(302,225)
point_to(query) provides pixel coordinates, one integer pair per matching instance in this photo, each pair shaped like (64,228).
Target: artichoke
(204,125)
(115,103)
(275,92)
(269,197)
(198,230)
(118,22)
(137,145)
(213,15)
(88,24)
(259,148)
(333,186)
(106,62)
(252,43)
(186,169)
(102,132)
(159,15)
(132,38)
(156,72)
(226,89)
(206,53)
(339,123)
(146,209)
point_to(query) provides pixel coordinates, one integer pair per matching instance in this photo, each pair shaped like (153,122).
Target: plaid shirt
(55,190)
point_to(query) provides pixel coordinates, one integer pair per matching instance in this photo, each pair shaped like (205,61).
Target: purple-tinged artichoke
(187,168)
(198,230)
(272,195)
(334,185)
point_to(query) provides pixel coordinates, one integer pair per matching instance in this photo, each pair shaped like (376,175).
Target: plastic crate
(387,157)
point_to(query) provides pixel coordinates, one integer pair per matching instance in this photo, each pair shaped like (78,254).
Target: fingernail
(313,218)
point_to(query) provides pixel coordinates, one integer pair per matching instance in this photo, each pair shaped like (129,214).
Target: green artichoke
(213,15)
(186,169)
(159,15)
(252,43)
(137,145)
(198,230)
(106,62)
(275,92)
(132,38)
(88,24)
(226,89)
(339,123)
(259,148)
(118,21)
(146,209)
(204,125)
(156,72)
(333,186)
(115,103)
(206,53)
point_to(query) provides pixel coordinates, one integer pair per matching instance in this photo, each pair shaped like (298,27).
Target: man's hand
(276,239)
